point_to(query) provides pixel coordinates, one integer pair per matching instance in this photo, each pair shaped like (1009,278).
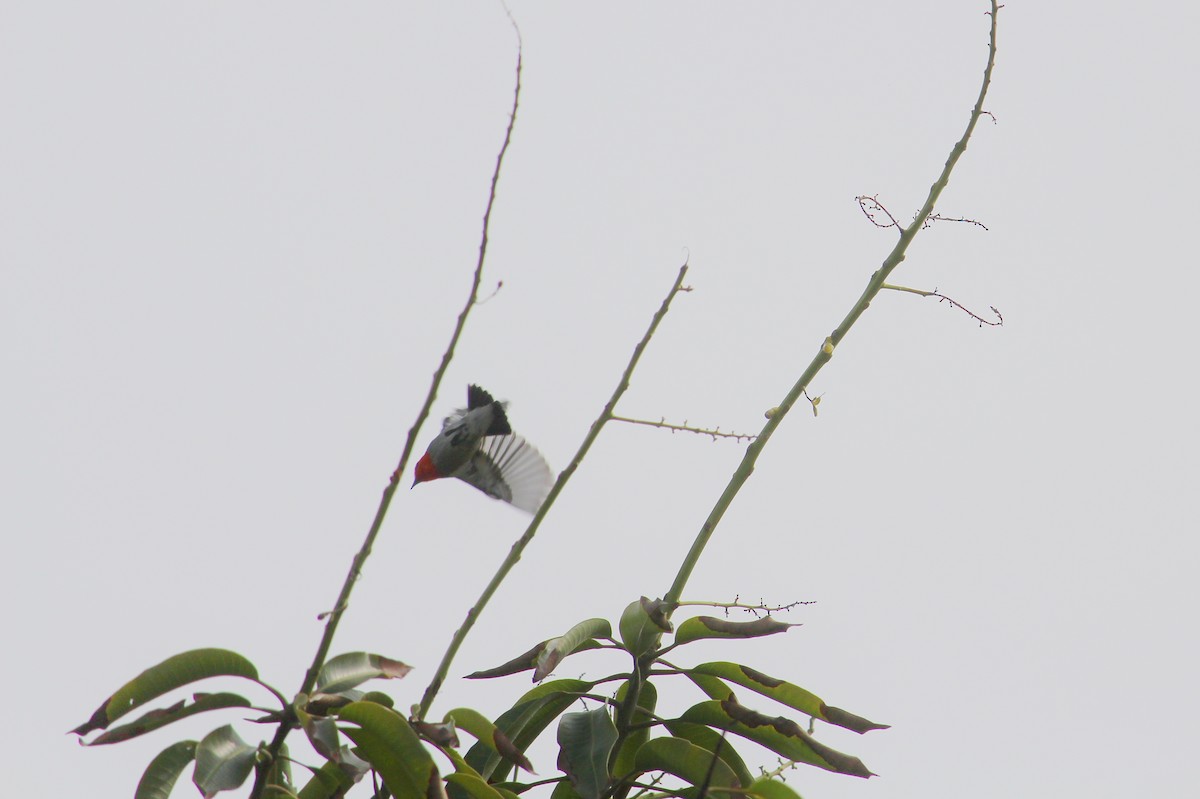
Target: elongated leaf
(713,742)
(475,786)
(785,693)
(568,642)
(387,741)
(163,772)
(526,720)
(329,780)
(782,736)
(155,719)
(223,762)
(524,661)
(489,735)
(693,764)
(354,668)
(711,627)
(646,702)
(279,776)
(174,672)
(585,741)
(771,789)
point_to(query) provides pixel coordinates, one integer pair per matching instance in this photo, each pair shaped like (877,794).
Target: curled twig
(871,206)
(953,304)
(663,423)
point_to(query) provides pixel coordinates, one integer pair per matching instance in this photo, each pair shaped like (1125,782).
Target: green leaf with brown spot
(526,720)
(387,741)
(489,735)
(571,641)
(785,693)
(354,668)
(700,627)
(782,736)
(155,719)
(174,672)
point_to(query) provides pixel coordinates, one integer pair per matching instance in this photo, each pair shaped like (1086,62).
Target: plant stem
(518,547)
(874,285)
(335,615)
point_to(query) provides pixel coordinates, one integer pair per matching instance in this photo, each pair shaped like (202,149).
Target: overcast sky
(234,238)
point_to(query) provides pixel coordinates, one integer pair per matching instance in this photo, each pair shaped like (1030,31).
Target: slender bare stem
(333,617)
(825,353)
(518,547)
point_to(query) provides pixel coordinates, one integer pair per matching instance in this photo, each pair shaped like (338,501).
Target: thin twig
(825,353)
(334,616)
(953,304)
(519,545)
(663,423)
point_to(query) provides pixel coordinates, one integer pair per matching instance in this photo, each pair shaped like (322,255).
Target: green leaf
(155,719)
(712,627)
(585,741)
(387,741)
(782,736)
(223,762)
(564,790)
(646,702)
(639,632)
(570,641)
(693,764)
(476,787)
(279,776)
(771,789)
(526,720)
(712,741)
(172,673)
(785,693)
(488,734)
(322,731)
(354,668)
(328,781)
(160,776)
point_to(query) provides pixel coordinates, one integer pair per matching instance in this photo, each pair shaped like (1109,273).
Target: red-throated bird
(478,446)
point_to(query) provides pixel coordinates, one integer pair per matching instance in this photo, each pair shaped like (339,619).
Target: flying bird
(478,446)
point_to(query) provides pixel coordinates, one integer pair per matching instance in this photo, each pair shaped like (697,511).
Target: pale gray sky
(234,237)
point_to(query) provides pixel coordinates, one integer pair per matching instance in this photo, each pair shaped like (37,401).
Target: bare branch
(664,424)
(953,304)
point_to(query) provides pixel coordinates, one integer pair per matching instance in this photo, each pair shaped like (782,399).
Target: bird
(478,446)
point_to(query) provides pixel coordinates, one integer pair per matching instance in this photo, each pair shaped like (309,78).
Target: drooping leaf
(526,720)
(524,661)
(585,741)
(174,672)
(646,702)
(444,734)
(786,693)
(322,731)
(154,719)
(488,734)
(354,668)
(160,776)
(693,764)
(570,641)
(782,736)
(223,762)
(387,741)
(639,633)
(328,781)
(713,742)
(711,627)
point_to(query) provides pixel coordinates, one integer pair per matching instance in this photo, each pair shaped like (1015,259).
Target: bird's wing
(509,468)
